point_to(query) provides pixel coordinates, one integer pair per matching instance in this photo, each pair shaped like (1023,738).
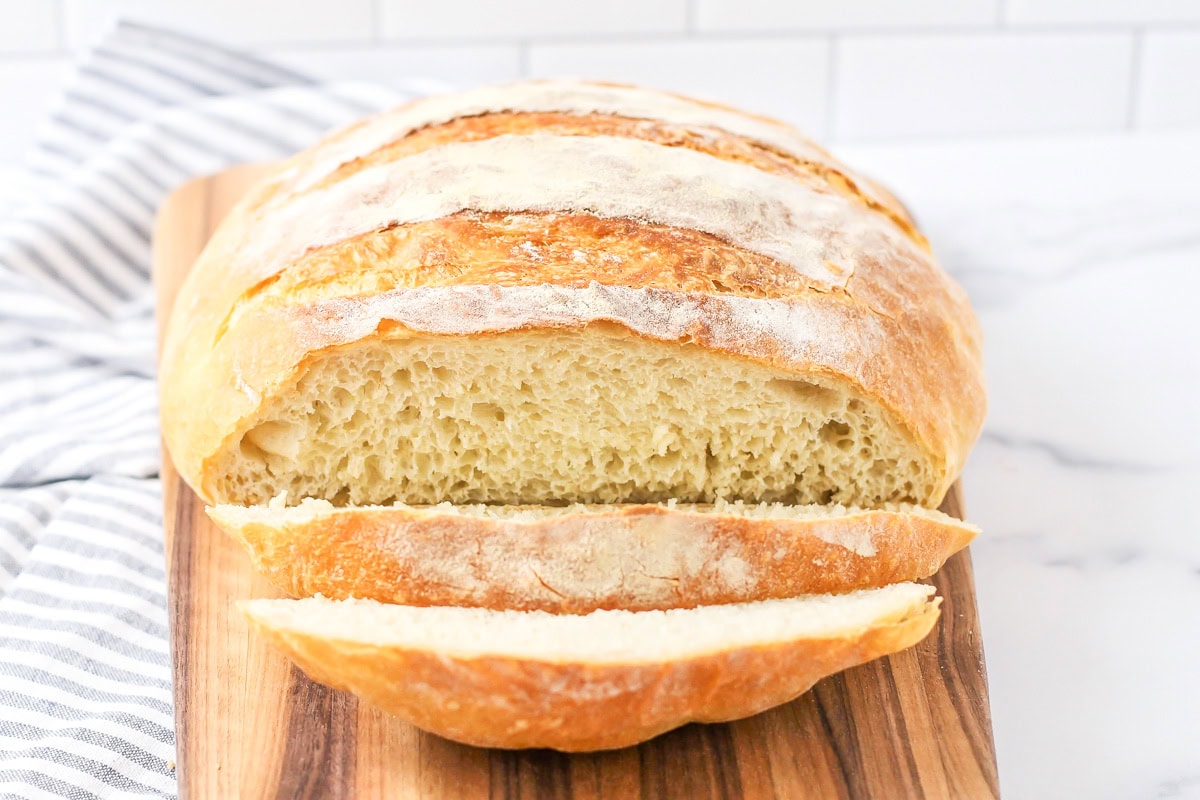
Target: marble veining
(1068,458)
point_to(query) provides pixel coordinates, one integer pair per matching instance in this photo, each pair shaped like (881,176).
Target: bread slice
(588,682)
(580,558)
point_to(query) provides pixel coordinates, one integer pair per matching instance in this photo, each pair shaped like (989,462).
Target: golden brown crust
(706,140)
(471,247)
(637,558)
(520,703)
(239,336)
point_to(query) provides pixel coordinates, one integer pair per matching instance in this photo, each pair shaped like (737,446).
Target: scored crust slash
(570,413)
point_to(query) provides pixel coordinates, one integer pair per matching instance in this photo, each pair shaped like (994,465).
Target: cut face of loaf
(603,680)
(595,416)
(561,292)
(577,559)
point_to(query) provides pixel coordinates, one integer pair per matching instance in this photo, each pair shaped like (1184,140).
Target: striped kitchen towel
(85,691)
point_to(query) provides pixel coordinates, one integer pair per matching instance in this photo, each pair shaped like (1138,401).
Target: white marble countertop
(1082,257)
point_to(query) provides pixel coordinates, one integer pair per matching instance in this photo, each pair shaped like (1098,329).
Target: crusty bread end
(588,682)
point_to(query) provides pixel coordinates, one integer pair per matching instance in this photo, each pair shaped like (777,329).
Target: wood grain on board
(250,725)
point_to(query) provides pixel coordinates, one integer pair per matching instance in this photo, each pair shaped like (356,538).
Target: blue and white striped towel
(85,688)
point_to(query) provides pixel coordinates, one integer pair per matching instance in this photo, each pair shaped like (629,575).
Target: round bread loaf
(566,292)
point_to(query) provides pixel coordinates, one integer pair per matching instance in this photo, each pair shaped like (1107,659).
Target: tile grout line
(35,56)
(641,37)
(523,59)
(689,18)
(60,25)
(376,16)
(1135,79)
(831,88)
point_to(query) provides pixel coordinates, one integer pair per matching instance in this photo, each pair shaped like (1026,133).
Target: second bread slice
(581,558)
(588,682)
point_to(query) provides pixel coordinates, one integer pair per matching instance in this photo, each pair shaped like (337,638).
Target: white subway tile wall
(824,15)
(1170,74)
(973,83)
(854,70)
(1123,12)
(245,22)
(489,19)
(427,67)
(784,77)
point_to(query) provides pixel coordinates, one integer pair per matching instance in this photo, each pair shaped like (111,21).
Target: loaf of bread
(568,292)
(588,682)
(577,559)
(585,411)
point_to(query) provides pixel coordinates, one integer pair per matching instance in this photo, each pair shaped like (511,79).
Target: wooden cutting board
(250,725)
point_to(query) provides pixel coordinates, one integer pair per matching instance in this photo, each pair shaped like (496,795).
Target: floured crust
(817,232)
(892,326)
(817,169)
(579,706)
(583,100)
(634,557)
